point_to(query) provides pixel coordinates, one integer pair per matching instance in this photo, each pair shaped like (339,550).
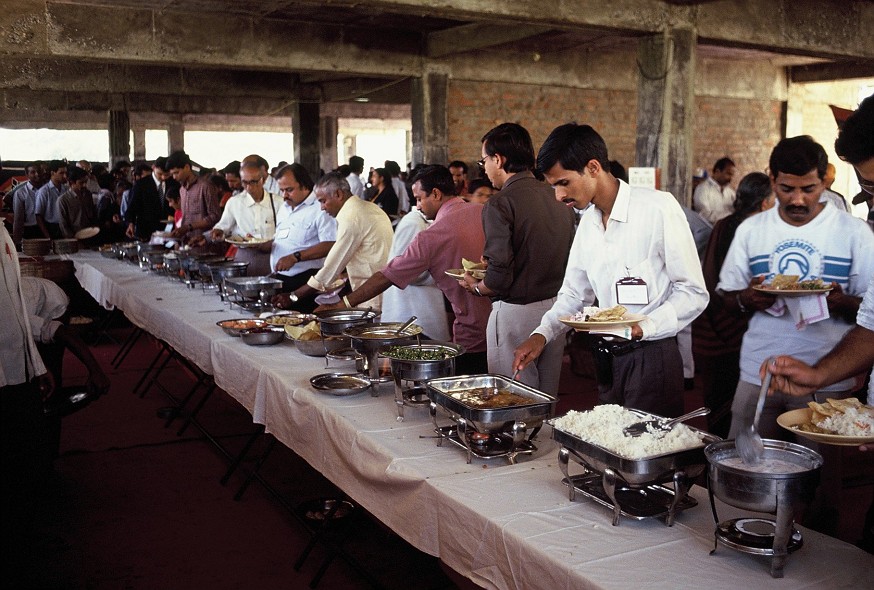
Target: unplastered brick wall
(475,107)
(744,130)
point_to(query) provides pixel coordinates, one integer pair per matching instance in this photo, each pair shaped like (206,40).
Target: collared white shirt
(300,228)
(865,318)
(401,192)
(19,359)
(47,202)
(24,203)
(364,237)
(243,216)
(647,236)
(45,303)
(161,186)
(356,185)
(712,201)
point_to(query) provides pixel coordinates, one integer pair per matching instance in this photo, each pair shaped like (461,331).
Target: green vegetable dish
(417,353)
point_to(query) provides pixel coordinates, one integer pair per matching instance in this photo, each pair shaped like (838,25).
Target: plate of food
(245,241)
(594,318)
(86,233)
(476,269)
(843,422)
(790,286)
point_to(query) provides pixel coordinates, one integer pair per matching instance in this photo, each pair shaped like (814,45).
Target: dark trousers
(647,376)
(720,375)
(289,284)
(472,363)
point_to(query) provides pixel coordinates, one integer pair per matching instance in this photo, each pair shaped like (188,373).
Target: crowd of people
(556,230)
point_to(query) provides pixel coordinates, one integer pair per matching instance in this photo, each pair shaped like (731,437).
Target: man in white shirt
(251,214)
(633,248)
(304,232)
(24,203)
(364,237)
(48,216)
(714,198)
(356,166)
(269,182)
(394,169)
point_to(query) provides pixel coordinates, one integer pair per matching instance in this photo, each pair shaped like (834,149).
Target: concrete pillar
(306,127)
(328,151)
(665,108)
(119,136)
(430,141)
(175,134)
(139,142)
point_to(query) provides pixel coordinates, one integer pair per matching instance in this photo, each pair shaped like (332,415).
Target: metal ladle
(639,428)
(748,443)
(405,325)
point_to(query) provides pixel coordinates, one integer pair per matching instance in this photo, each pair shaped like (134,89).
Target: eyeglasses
(866,185)
(482,163)
(251,182)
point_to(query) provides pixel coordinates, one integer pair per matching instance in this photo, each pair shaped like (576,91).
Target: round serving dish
(262,336)
(787,474)
(235,326)
(334,322)
(321,346)
(405,364)
(340,383)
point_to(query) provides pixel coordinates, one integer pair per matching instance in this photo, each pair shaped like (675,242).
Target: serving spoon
(641,427)
(748,443)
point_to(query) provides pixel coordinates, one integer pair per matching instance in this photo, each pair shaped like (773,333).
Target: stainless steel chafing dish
(253,288)
(334,321)
(416,371)
(368,339)
(609,478)
(489,432)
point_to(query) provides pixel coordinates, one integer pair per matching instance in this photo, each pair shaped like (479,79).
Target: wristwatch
(297,256)
(292,297)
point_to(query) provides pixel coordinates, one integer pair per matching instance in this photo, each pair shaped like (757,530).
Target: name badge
(282,234)
(631,291)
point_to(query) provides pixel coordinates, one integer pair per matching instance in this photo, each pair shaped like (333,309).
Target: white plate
(792,418)
(85,233)
(246,242)
(791,292)
(629,319)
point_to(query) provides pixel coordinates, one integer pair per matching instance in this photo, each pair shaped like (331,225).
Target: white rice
(850,422)
(603,426)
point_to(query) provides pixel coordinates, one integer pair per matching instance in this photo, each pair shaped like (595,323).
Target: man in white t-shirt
(806,238)
(714,198)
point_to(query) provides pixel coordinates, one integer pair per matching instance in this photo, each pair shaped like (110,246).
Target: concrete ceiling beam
(827,72)
(477,36)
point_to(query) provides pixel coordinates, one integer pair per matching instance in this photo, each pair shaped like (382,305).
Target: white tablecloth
(503,526)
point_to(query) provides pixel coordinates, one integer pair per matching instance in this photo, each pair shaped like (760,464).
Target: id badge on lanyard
(631,291)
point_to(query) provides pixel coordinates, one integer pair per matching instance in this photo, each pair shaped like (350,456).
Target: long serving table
(502,526)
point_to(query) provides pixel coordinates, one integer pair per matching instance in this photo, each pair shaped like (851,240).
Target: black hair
(855,142)
(301,175)
(178,160)
(458,164)
(218,181)
(512,141)
(75,173)
(356,164)
(573,146)
(105,180)
(343,169)
(161,163)
(172,192)
(753,188)
(478,183)
(232,168)
(392,168)
(723,163)
(798,155)
(142,167)
(439,177)
(56,165)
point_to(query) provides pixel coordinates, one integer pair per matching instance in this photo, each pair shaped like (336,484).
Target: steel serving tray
(541,406)
(644,471)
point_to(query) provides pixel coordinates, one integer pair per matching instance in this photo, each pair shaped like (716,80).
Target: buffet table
(501,525)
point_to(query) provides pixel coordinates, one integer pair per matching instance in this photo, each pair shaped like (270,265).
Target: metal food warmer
(369,339)
(651,487)
(253,294)
(410,374)
(782,484)
(488,432)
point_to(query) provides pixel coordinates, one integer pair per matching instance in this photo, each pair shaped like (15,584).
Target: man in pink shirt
(456,233)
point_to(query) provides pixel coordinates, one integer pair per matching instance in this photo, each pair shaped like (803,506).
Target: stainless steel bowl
(770,485)
(335,321)
(222,270)
(340,383)
(420,370)
(320,347)
(261,288)
(107,251)
(263,336)
(236,326)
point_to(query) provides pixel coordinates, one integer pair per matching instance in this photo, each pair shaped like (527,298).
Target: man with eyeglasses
(528,240)
(304,233)
(250,214)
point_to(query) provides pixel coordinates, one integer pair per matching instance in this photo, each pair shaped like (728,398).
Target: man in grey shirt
(528,239)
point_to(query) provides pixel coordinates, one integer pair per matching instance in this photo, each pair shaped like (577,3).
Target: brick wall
(475,107)
(743,129)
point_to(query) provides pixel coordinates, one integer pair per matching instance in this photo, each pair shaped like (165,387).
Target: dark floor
(134,506)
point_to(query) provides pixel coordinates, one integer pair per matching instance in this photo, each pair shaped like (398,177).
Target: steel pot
(371,338)
(420,370)
(335,321)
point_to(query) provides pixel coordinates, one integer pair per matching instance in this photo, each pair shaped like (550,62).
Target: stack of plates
(87,233)
(66,246)
(36,247)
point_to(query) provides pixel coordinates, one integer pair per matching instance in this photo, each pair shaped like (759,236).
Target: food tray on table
(635,471)
(235,326)
(638,503)
(526,405)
